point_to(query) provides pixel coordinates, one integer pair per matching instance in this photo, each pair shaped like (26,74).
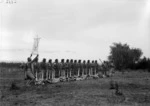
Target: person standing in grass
(88,68)
(96,67)
(44,69)
(29,75)
(51,71)
(36,69)
(62,68)
(84,68)
(92,68)
(75,70)
(79,68)
(71,67)
(67,69)
(57,68)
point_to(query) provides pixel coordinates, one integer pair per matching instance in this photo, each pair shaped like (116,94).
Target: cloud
(72,28)
(59,20)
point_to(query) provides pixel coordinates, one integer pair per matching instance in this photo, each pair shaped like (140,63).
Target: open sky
(73,29)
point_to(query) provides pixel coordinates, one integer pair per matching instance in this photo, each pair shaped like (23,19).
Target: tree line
(10,64)
(122,56)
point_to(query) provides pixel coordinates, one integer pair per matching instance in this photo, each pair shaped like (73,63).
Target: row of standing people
(40,71)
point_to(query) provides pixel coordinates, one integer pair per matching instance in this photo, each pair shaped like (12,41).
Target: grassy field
(134,85)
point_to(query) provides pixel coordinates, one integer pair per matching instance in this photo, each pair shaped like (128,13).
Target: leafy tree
(144,63)
(123,56)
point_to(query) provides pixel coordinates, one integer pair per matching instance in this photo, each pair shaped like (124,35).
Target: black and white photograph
(74,52)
